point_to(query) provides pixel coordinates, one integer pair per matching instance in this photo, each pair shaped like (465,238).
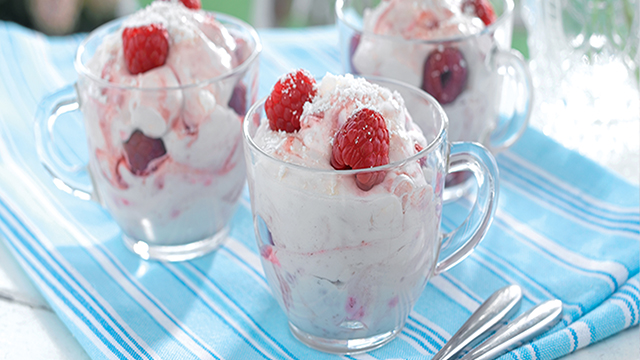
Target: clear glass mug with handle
(488,102)
(165,159)
(345,265)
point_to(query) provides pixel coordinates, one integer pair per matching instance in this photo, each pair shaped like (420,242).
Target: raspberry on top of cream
(200,48)
(337,98)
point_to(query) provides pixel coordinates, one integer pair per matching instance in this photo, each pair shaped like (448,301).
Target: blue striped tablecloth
(565,228)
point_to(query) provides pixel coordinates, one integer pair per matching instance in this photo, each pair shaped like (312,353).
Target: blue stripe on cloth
(575,339)
(85,298)
(15,231)
(531,177)
(565,228)
(540,265)
(245,313)
(419,323)
(605,320)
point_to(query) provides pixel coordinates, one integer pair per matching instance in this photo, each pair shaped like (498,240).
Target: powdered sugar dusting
(338,97)
(347,89)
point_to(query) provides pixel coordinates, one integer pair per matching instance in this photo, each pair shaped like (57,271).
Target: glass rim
(114,25)
(508,10)
(439,138)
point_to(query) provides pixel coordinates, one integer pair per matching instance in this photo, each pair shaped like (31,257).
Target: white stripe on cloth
(407,337)
(454,293)
(583,332)
(550,202)
(572,341)
(560,255)
(624,307)
(240,259)
(441,336)
(429,342)
(364,356)
(248,256)
(563,189)
(47,70)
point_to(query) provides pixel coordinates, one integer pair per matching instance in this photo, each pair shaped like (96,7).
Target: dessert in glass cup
(346,179)
(163,93)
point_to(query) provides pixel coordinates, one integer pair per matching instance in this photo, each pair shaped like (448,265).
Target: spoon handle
(522,329)
(498,307)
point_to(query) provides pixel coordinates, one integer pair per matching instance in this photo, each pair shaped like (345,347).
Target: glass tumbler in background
(165,159)
(584,62)
(488,101)
(346,265)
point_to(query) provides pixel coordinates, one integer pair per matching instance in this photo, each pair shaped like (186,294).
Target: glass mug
(495,98)
(346,266)
(169,183)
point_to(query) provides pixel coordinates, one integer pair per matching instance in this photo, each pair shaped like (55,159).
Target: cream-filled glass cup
(346,256)
(165,145)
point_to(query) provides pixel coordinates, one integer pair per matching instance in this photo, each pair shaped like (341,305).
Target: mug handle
(509,129)
(458,244)
(64,174)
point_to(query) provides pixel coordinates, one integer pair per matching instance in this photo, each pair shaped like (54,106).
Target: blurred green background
(85,15)
(239,8)
(286,16)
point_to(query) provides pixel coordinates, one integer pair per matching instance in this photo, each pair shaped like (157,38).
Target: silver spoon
(492,313)
(524,328)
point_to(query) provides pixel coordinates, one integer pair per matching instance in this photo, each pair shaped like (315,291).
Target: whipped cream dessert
(346,252)
(436,45)
(164,129)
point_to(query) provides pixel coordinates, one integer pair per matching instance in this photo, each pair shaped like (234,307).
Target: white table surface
(29,329)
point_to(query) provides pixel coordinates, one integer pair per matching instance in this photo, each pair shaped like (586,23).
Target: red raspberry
(140,150)
(238,100)
(362,142)
(145,47)
(191,4)
(480,8)
(284,104)
(445,74)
